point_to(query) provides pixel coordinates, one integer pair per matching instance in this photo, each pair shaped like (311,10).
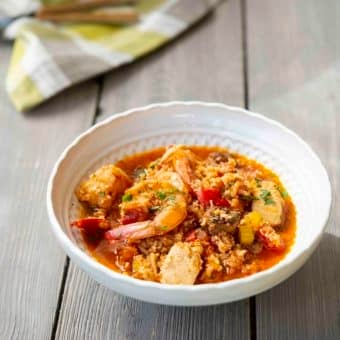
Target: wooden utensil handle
(81,5)
(114,16)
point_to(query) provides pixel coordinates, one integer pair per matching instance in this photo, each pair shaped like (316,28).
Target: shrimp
(163,198)
(174,178)
(183,162)
(102,187)
(138,208)
(142,192)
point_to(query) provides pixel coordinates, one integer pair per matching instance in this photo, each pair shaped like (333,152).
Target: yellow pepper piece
(249,224)
(253,218)
(246,234)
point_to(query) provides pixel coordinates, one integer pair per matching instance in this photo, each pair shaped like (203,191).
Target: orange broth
(264,260)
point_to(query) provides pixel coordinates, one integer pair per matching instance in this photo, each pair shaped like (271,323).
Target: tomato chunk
(270,239)
(91,223)
(222,202)
(205,196)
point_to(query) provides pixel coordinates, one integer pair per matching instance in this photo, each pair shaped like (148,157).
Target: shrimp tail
(128,231)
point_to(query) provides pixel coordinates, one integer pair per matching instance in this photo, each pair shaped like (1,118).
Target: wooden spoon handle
(81,5)
(112,16)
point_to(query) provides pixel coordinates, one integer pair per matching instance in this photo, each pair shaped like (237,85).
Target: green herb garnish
(267,197)
(163,227)
(161,195)
(102,193)
(282,191)
(258,182)
(248,198)
(154,164)
(127,198)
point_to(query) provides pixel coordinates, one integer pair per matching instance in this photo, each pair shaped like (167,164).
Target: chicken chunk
(103,186)
(269,204)
(182,264)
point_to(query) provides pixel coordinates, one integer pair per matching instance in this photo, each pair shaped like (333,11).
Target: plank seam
(98,111)
(252,316)
(100,82)
(245,52)
(252,300)
(60,298)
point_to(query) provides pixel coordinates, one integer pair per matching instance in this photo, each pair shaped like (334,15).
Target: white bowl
(193,123)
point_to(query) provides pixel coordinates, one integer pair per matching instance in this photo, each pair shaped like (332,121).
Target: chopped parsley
(163,227)
(168,195)
(248,198)
(267,197)
(154,164)
(161,195)
(282,191)
(258,182)
(102,193)
(127,198)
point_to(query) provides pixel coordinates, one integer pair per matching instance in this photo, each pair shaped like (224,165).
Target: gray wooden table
(276,57)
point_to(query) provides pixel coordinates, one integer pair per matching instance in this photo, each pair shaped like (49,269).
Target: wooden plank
(204,64)
(31,263)
(292,78)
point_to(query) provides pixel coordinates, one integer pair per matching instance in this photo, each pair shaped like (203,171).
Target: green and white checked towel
(48,58)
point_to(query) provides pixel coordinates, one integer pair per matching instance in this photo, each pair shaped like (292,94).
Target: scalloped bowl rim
(93,265)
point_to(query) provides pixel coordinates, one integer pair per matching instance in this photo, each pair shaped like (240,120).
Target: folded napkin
(47,58)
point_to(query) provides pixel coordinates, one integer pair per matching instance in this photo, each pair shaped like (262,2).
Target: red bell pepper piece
(91,223)
(222,202)
(270,239)
(205,196)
